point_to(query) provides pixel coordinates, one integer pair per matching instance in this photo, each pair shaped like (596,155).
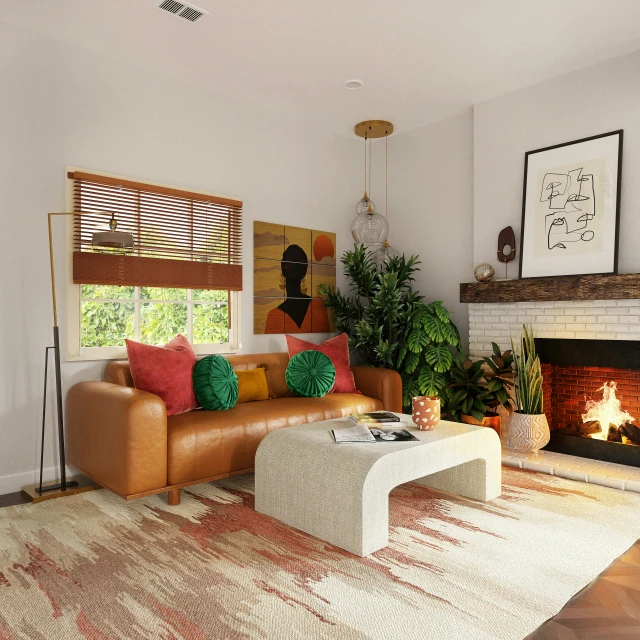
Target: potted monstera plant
(528,429)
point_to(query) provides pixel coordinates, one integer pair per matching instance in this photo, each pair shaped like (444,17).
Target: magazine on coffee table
(362,433)
(374,417)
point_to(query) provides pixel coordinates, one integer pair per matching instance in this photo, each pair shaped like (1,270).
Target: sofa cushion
(165,372)
(215,383)
(337,350)
(310,374)
(203,444)
(252,385)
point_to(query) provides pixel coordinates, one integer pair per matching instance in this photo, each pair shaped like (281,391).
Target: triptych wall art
(290,264)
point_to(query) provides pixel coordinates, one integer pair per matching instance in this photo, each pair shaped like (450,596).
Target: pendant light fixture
(113,239)
(365,201)
(386,252)
(370,228)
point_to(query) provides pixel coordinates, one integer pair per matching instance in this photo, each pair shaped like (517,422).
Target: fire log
(631,431)
(614,434)
(580,429)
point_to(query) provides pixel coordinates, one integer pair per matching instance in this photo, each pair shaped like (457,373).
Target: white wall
(431,206)
(63,106)
(588,102)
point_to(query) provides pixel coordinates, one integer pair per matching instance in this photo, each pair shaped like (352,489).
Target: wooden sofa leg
(174,497)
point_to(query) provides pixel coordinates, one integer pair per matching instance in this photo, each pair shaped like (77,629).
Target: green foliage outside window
(108,315)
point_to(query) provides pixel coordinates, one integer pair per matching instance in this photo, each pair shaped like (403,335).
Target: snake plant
(528,375)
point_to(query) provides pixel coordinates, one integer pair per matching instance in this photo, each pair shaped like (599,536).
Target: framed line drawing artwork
(571,208)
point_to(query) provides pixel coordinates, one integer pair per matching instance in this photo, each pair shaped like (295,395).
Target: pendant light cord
(386,175)
(365,164)
(369,169)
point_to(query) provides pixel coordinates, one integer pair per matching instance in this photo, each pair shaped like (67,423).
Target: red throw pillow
(165,371)
(337,350)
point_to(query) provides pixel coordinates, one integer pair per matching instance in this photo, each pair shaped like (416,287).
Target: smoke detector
(181,10)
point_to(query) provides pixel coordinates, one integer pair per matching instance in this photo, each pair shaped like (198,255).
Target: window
(106,305)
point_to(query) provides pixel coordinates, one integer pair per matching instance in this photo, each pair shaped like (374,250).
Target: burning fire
(607,411)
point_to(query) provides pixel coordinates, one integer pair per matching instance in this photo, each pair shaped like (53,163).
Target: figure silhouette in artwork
(572,202)
(299,313)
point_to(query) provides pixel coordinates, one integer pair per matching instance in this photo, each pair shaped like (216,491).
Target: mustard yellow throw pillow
(252,385)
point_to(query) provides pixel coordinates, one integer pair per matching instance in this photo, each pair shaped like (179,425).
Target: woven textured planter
(526,432)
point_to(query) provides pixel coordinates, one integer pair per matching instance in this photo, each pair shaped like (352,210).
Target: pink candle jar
(426,412)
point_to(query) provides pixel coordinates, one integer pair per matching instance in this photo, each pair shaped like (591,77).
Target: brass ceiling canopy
(373,129)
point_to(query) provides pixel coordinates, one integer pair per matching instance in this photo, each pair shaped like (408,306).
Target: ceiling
(420,60)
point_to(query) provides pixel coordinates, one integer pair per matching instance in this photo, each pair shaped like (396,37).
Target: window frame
(75,352)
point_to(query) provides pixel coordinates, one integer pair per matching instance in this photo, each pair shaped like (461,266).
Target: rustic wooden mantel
(614,287)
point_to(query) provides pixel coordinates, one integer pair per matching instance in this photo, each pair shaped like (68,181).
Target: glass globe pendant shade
(364,203)
(384,254)
(370,228)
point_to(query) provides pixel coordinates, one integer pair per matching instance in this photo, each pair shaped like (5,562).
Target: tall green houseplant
(390,326)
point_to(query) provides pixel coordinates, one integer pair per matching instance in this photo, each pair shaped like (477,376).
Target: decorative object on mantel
(571,208)
(112,239)
(484,272)
(506,238)
(371,228)
(596,287)
(528,429)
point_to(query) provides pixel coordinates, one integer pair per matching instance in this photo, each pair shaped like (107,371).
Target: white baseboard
(15,482)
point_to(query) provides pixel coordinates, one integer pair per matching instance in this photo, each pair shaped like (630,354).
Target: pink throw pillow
(337,350)
(165,371)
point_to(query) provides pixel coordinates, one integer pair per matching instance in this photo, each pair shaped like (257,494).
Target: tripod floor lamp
(110,240)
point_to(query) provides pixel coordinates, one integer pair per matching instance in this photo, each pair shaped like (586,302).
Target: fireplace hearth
(592,397)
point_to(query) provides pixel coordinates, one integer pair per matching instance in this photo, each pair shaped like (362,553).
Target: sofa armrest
(117,436)
(383,384)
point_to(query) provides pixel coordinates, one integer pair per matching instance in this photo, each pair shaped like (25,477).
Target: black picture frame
(620,134)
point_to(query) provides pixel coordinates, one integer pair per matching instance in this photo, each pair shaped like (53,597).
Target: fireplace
(592,397)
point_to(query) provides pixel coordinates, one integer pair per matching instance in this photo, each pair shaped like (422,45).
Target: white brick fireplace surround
(586,319)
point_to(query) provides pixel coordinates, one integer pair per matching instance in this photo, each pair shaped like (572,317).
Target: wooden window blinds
(181,239)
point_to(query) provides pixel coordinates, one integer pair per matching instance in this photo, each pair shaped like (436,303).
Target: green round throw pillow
(215,383)
(310,374)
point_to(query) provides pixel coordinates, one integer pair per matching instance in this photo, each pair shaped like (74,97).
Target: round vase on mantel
(492,421)
(526,433)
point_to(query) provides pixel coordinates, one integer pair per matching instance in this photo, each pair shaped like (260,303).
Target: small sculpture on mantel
(506,238)
(484,272)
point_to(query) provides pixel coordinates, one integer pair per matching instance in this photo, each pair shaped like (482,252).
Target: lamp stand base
(51,490)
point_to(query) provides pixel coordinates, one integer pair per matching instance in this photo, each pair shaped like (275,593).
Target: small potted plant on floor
(480,388)
(528,429)
(469,399)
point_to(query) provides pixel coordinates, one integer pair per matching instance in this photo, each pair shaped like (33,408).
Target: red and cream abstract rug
(93,566)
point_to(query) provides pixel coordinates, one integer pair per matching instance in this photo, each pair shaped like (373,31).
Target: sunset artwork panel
(290,264)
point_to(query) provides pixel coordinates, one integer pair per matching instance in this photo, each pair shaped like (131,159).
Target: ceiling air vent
(181,10)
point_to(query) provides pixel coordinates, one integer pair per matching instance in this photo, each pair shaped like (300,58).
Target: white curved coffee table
(340,492)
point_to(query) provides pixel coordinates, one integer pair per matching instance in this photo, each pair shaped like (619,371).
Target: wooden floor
(608,609)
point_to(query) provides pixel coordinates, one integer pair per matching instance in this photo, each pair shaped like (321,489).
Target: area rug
(96,567)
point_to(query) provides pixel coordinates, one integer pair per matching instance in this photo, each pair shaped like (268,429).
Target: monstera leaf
(430,382)
(439,357)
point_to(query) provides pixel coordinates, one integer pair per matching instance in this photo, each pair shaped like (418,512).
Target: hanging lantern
(371,228)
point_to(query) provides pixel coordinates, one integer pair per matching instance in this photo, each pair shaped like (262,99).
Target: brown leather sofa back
(118,372)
